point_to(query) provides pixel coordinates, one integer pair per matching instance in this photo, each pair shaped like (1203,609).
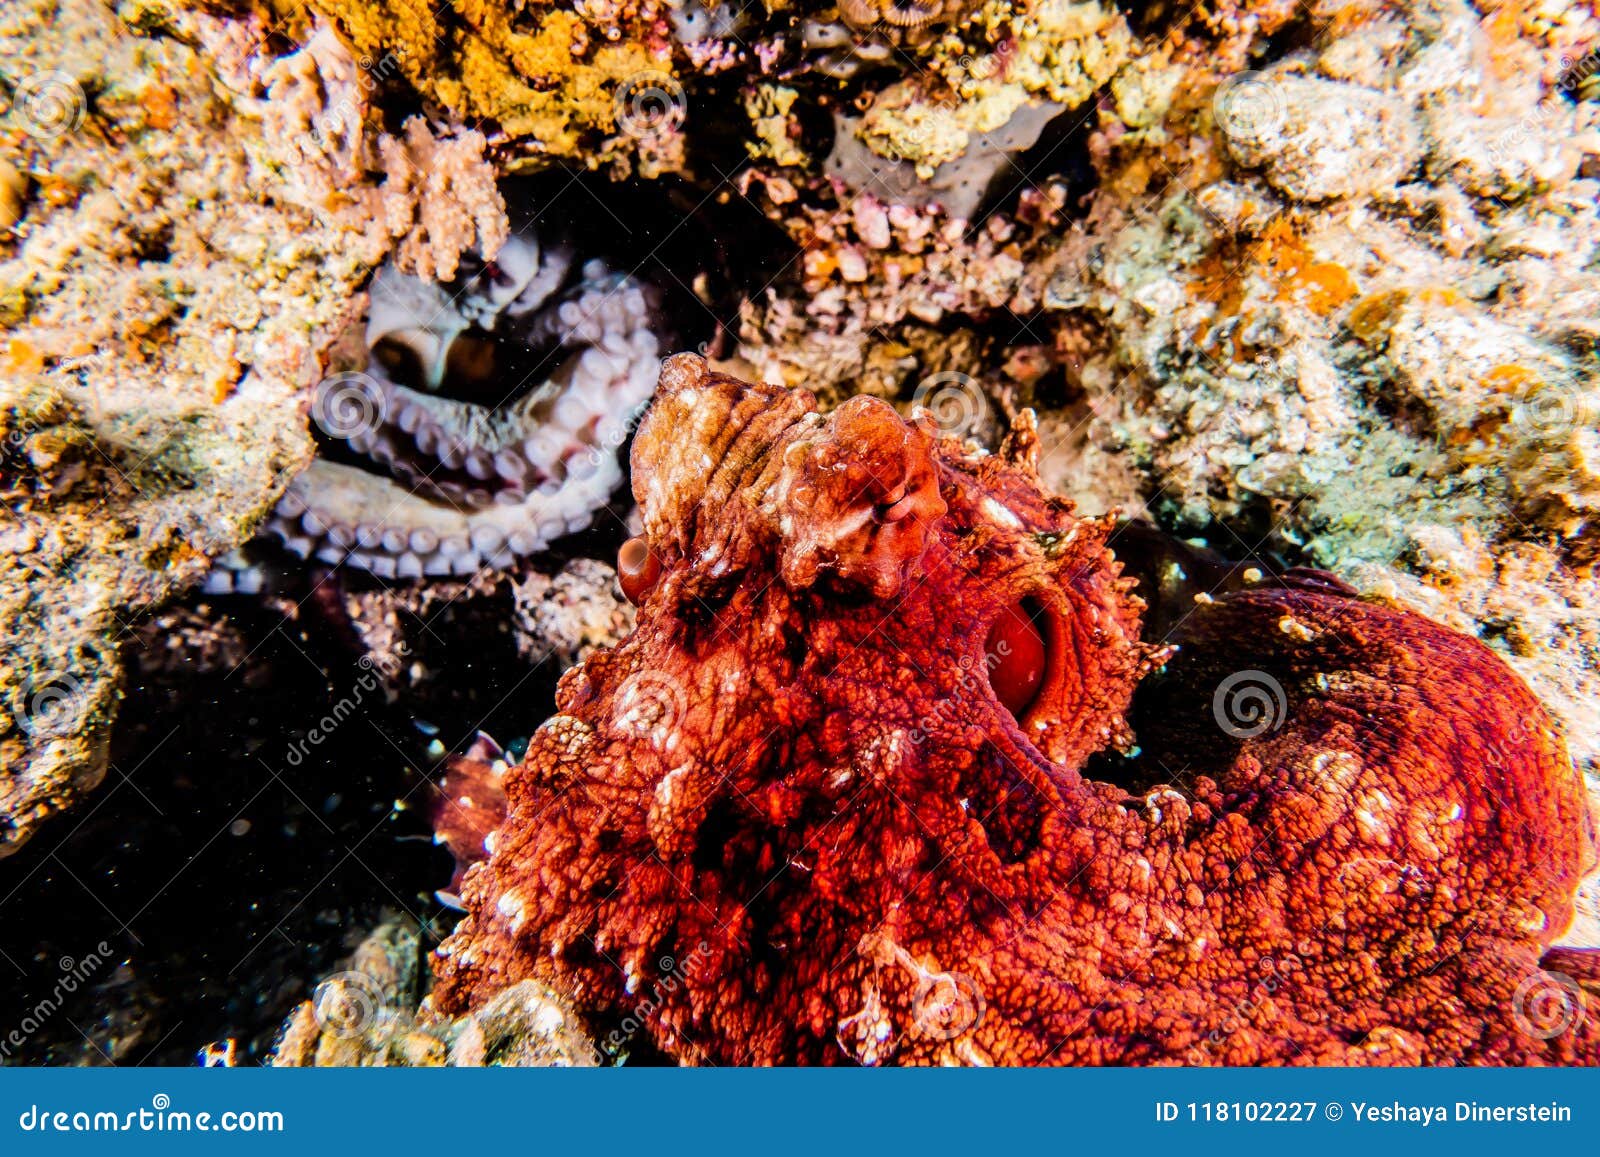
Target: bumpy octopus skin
(789,820)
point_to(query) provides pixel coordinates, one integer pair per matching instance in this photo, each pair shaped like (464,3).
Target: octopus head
(885,552)
(833,799)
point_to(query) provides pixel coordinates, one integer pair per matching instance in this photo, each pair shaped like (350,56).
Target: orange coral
(1282,256)
(801,773)
(550,80)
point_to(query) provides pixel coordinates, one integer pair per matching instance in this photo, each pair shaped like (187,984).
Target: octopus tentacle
(448,459)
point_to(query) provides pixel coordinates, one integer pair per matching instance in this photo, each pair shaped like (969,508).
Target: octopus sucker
(487,421)
(872,750)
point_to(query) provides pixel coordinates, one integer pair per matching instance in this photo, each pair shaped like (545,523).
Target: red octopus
(862,787)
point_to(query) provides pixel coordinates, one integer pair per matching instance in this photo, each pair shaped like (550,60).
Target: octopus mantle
(833,800)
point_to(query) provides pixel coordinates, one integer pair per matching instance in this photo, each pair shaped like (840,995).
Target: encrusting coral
(987,92)
(557,80)
(839,783)
(193,229)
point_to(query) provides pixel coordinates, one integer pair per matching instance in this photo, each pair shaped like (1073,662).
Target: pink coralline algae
(868,759)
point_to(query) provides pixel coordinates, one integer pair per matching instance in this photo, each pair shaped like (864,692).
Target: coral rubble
(365,1015)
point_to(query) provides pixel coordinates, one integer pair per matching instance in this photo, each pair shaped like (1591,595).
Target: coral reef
(843,767)
(955,175)
(438,196)
(1368,331)
(942,135)
(591,82)
(1323,263)
(566,616)
(167,288)
(1310,284)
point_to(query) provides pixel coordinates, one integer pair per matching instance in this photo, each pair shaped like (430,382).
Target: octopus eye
(1015,655)
(638,569)
(896,506)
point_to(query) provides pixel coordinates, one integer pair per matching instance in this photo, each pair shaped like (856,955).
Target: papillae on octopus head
(828,803)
